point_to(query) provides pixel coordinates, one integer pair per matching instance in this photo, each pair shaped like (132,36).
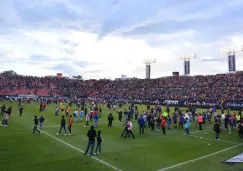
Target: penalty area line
(199,158)
(71,146)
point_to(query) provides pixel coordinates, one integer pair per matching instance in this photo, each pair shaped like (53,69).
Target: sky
(108,38)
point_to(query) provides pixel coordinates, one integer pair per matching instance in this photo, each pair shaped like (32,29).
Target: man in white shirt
(75,114)
(129,129)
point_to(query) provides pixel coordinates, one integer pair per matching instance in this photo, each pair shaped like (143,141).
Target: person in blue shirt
(168,121)
(41,119)
(141,124)
(204,118)
(187,126)
(35,125)
(81,115)
(96,120)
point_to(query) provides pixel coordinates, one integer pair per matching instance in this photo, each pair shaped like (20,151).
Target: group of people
(192,88)
(153,118)
(5,114)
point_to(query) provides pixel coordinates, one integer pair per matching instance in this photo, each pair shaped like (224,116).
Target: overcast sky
(108,38)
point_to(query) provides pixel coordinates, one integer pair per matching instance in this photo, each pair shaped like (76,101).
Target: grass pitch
(22,151)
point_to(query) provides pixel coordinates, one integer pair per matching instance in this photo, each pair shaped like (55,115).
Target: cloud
(213,60)
(110,38)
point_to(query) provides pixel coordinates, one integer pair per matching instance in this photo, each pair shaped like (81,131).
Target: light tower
(230,51)
(186,58)
(148,63)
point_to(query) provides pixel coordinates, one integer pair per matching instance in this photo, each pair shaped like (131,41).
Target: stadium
(67,103)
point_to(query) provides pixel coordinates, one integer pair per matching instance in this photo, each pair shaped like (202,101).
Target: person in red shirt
(163,123)
(43,107)
(200,121)
(70,123)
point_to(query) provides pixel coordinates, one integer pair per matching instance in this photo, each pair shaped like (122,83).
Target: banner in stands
(236,105)
(172,102)
(26,96)
(231,59)
(187,67)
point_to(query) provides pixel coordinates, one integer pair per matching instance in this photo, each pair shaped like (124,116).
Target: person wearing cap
(91,134)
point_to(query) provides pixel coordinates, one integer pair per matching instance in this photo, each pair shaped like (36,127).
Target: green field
(22,151)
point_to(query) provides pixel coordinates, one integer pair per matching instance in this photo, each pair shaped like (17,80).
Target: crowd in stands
(190,88)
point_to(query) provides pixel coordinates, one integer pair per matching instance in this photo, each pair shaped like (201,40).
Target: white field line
(200,158)
(79,124)
(71,146)
(214,140)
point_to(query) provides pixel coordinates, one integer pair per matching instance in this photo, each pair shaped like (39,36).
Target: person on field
(129,129)
(5,119)
(200,121)
(125,115)
(41,120)
(57,111)
(125,128)
(227,122)
(9,111)
(81,114)
(70,124)
(62,108)
(152,122)
(96,120)
(163,124)
(36,120)
(21,110)
(63,126)
(3,108)
(187,126)
(175,121)
(238,117)
(168,122)
(181,121)
(87,118)
(75,115)
(67,111)
(110,119)
(158,123)
(141,124)
(240,129)
(91,134)
(100,112)
(99,141)
(120,115)
(217,130)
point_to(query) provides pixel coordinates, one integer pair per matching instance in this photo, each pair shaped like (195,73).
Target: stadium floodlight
(229,50)
(148,63)
(186,58)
